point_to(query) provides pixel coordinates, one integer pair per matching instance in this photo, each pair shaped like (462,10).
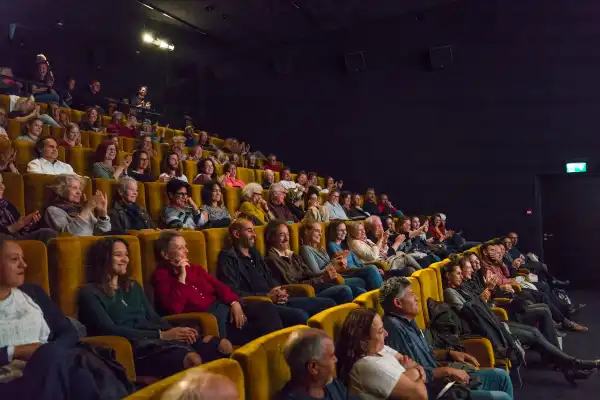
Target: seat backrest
(190,170)
(233,199)
(39,194)
(246,175)
(216,239)
(36,258)
(416,288)
(67,269)
(332,320)
(76,115)
(294,237)
(127,144)
(85,138)
(263,363)
(261,242)
(110,186)
(81,159)
(321,181)
(370,300)
(196,245)
(324,226)
(225,366)
(156,199)
(438,267)
(427,278)
(96,139)
(14,190)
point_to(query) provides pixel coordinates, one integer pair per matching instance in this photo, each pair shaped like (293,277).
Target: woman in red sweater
(181,287)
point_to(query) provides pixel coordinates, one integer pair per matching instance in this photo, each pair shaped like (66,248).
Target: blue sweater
(353,261)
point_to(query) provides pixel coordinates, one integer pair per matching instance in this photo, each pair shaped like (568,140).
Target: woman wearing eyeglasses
(182,212)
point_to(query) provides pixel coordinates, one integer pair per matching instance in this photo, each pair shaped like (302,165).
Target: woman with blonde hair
(71,137)
(64,119)
(91,121)
(71,212)
(178,146)
(254,207)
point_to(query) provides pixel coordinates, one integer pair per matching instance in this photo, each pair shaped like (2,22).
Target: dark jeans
(356,284)
(299,309)
(42,234)
(425,261)
(263,318)
(539,315)
(540,297)
(339,293)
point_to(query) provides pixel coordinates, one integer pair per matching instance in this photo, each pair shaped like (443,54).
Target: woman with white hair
(126,214)
(268,179)
(71,212)
(254,207)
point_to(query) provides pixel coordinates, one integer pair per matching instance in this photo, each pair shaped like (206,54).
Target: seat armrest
(122,348)
(481,349)
(299,290)
(380,264)
(255,299)
(500,313)
(207,322)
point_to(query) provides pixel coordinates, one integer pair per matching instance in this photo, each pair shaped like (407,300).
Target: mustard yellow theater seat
(294,237)
(265,369)
(109,186)
(261,243)
(5,102)
(370,300)
(85,139)
(155,167)
(246,175)
(217,142)
(169,133)
(57,132)
(216,240)
(14,129)
(39,194)
(429,288)
(156,198)
(76,115)
(226,367)
(233,199)
(259,175)
(438,267)
(81,159)
(332,320)
(106,120)
(195,243)
(36,258)
(26,153)
(190,170)
(14,190)
(127,144)
(321,181)
(96,139)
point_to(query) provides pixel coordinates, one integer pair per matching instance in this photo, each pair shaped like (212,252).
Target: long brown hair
(353,340)
(99,265)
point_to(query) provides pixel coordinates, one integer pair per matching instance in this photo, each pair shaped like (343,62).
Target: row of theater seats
(31,192)
(60,270)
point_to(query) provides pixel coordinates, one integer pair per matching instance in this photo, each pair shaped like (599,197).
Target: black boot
(573,375)
(585,364)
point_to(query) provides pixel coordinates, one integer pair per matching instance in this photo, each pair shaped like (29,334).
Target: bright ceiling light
(171,47)
(163,45)
(148,38)
(146,5)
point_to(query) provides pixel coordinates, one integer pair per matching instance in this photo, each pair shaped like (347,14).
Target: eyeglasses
(181,194)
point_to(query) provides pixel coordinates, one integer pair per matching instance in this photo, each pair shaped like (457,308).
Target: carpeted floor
(543,384)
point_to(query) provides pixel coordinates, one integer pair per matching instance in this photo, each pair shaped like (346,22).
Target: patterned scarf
(7,217)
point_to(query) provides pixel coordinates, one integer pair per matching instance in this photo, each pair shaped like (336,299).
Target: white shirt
(163,178)
(374,377)
(287,185)
(21,322)
(43,166)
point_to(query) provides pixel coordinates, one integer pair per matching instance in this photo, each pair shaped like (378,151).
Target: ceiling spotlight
(147,38)
(171,47)
(163,45)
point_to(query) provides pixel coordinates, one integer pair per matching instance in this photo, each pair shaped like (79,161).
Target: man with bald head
(200,385)
(310,354)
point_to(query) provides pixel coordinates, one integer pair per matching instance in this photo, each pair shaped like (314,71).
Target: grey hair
(275,187)
(123,182)
(370,221)
(393,288)
(62,182)
(302,347)
(200,385)
(249,189)
(269,172)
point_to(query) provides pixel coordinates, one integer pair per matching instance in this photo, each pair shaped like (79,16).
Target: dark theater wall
(521,99)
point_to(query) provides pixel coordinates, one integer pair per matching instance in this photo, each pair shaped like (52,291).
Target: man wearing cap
(401,306)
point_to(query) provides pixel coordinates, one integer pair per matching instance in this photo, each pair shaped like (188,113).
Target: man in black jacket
(244,270)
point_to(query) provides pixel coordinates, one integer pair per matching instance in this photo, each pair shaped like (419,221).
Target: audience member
(139,169)
(47,162)
(315,211)
(178,147)
(204,141)
(310,355)
(253,206)
(302,180)
(289,268)
(196,153)
(71,138)
(313,181)
(170,168)
(114,304)
(139,100)
(64,118)
(201,385)
(128,129)
(318,261)
(355,211)
(252,161)
(182,287)
(9,86)
(413,243)
(268,179)
(15,226)
(182,212)
(336,244)
(333,205)
(126,214)
(287,182)
(91,121)
(244,270)
(25,110)
(207,172)
(34,130)
(105,166)
(371,369)
(277,206)
(272,163)
(54,111)
(401,306)
(3,121)
(115,121)
(188,134)
(36,332)
(66,95)
(90,97)
(8,156)
(369,205)
(145,143)
(386,207)
(44,93)
(212,200)
(71,212)
(230,178)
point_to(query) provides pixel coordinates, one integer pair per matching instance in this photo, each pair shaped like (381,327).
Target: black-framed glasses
(181,194)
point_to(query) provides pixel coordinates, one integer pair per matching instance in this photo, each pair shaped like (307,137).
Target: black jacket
(232,271)
(61,330)
(124,219)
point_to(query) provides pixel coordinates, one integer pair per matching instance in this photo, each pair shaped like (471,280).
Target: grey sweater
(58,219)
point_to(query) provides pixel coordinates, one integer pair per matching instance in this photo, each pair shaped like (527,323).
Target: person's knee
(345,294)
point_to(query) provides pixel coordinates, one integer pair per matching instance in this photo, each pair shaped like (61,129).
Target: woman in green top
(114,304)
(105,167)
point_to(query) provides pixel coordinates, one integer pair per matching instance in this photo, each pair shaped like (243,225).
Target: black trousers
(539,315)
(538,296)
(532,337)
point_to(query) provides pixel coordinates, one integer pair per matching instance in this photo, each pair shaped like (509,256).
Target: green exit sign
(574,167)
